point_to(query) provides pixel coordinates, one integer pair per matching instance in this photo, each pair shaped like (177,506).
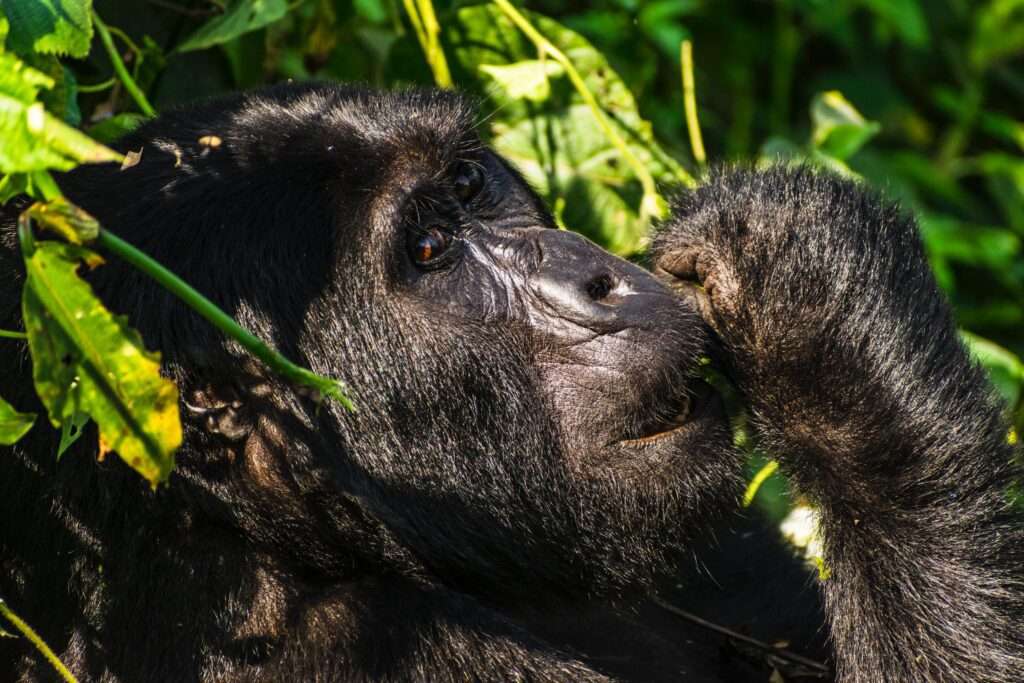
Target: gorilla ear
(221,410)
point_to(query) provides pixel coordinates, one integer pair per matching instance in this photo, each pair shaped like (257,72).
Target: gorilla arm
(836,333)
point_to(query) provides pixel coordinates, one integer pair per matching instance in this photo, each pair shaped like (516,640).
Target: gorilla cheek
(589,384)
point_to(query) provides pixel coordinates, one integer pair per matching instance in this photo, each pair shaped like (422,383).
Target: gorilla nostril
(600,287)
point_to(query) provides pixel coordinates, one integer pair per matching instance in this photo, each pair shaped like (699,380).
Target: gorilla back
(531,448)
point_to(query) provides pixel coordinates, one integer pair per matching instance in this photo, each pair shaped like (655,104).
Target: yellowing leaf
(13,425)
(87,361)
(67,220)
(528,78)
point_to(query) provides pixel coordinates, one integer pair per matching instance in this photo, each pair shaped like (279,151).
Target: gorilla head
(526,417)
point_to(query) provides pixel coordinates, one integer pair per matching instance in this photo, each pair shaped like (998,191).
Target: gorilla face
(527,414)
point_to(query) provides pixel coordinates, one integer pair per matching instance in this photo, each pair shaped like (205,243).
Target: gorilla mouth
(670,417)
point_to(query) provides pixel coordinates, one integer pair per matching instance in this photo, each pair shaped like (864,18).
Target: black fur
(847,352)
(484,515)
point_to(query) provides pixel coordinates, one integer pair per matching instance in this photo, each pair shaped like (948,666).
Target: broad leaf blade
(839,129)
(87,361)
(13,425)
(34,140)
(1005,369)
(58,27)
(239,18)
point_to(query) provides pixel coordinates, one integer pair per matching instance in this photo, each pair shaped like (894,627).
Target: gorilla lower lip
(664,429)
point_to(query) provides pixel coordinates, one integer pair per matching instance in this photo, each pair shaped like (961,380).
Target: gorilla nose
(581,283)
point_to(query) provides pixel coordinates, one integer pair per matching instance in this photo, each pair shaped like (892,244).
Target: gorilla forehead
(350,128)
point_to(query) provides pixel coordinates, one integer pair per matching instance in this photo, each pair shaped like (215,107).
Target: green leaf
(13,425)
(528,78)
(13,185)
(115,127)
(1004,175)
(839,129)
(87,361)
(905,16)
(60,99)
(556,141)
(1005,369)
(240,17)
(998,33)
(20,81)
(375,11)
(70,432)
(33,139)
(57,27)
(661,21)
(996,249)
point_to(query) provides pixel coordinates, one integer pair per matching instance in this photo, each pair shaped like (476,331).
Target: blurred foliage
(921,98)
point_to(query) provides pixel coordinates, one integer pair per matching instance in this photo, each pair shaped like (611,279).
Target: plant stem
(690,103)
(97,87)
(120,69)
(424,22)
(275,361)
(759,478)
(652,203)
(38,642)
(11,334)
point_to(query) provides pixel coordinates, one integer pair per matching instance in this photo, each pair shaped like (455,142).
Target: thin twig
(97,87)
(11,334)
(119,68)
(761,645)
(38,642)
(690,103)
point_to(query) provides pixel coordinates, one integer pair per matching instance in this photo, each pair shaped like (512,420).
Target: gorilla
(533,446)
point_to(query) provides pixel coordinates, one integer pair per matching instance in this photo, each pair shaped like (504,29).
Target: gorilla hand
(842,344)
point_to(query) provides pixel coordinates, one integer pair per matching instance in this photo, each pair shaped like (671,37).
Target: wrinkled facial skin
(643,449)
(527,419)
(614,348)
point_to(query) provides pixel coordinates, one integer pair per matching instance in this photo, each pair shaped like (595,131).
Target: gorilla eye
(469,180)
(430,246)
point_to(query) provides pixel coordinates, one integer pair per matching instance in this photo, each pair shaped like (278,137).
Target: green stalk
(222,321)
(38,642)
(120,69)
(97,87)
(762,475)
(10,334)
(428,31)
(690,103)
(652,204)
